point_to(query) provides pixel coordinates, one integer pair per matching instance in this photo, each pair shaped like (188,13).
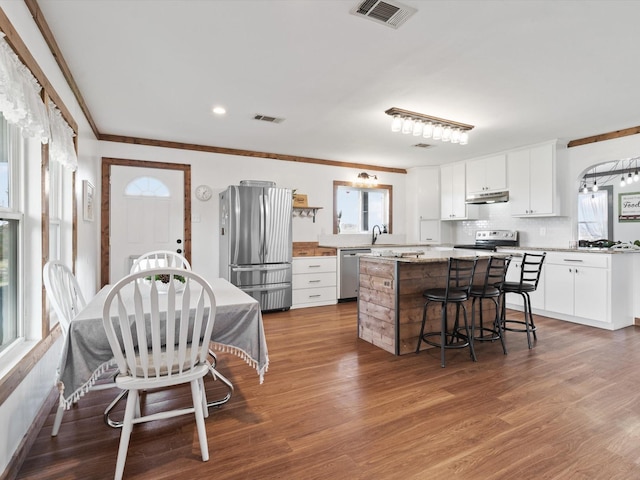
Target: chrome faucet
(374,237)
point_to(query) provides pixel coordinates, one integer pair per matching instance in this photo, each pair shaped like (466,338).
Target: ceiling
(522,72)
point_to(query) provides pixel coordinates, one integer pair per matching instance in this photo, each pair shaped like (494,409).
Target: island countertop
(431,256)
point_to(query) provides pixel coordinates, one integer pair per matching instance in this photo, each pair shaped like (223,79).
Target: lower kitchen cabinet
(579,285)
(594,289)
(314,281)
(578,288)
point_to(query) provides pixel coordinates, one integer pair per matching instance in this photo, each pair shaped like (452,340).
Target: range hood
(489,197)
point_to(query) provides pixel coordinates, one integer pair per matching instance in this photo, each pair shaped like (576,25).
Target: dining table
(87,355)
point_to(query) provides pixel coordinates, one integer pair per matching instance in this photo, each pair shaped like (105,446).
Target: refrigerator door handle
(263,235)
(259,268)
(236,237)
(264,288)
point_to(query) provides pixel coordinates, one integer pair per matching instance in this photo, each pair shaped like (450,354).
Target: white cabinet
(487,174)
(532,181)
(452,192)
(594,289)
(427,185)
(578,285)
(430,231)
(314,281)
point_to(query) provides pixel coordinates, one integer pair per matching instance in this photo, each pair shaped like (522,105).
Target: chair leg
(443,333)
(469,336)
(127,426)
(533,326)
(528,319)
(424,320)
(198,408)
(58,420)
(496,325)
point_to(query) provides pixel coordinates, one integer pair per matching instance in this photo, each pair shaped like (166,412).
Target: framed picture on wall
(88,200)
(629,207)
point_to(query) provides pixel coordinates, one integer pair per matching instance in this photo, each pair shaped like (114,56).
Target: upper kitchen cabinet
(532,181)
(487,174)
(427,191)
(453,192)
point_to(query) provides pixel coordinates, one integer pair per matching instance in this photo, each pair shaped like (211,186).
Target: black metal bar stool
(530,271)
(459,280)
(491,289)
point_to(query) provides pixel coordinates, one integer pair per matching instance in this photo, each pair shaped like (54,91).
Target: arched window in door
(147,187)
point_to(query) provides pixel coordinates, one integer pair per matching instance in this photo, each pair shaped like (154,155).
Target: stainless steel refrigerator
(255,241)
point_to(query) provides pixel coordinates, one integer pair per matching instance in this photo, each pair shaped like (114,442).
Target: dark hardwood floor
(335,407)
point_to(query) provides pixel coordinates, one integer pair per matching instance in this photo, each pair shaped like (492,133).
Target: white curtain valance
(61,148)
(20,101)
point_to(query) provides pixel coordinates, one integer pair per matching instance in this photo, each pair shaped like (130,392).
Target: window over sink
(358,209)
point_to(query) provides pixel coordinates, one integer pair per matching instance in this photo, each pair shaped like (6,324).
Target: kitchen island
(390,300)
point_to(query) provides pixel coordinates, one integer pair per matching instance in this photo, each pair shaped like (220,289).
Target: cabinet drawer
(314,280)
(313,295)
(579,259)
(314,265)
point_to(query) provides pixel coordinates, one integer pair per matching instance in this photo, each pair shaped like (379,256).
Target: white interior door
(147,213)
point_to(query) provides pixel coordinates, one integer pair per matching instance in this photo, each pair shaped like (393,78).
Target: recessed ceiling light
(219,110)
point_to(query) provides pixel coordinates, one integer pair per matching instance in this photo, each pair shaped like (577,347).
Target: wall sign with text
(629,207)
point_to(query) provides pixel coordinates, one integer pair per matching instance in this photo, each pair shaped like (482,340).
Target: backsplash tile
(533,232)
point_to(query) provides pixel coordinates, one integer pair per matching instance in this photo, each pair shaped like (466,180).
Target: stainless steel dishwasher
(349,272)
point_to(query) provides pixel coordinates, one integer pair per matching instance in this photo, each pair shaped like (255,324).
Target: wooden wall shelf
(306,212)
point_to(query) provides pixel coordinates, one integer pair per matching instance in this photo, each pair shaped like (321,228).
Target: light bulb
(417,128)
(595,186)
(437,132)
(427,130)
(407,126)
(585,189)
(455,136)
(629,179)
(636,177)
(446,134)
(464,138)
(396,123)
(622,182)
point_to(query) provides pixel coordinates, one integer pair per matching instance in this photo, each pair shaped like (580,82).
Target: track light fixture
(419,124)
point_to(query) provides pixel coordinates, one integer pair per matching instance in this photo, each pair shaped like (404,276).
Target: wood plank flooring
(335,407)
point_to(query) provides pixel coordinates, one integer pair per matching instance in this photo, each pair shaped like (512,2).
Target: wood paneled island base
(390,300)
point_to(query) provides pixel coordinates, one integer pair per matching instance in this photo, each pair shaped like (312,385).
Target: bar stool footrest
(532,328)
(491,335)
(462,341)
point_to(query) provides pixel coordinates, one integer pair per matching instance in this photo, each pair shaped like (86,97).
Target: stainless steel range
(490,239)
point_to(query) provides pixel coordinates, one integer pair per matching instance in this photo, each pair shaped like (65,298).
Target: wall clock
(203,192)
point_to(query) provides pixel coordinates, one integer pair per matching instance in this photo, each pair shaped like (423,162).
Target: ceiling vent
(390,13)
(266,118)
(423,145)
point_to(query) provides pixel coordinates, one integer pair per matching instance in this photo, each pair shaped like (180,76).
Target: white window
(55,209)
(359,209)
(147,187)
(11,157)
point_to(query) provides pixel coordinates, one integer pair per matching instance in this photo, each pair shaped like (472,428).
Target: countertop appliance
(256,243)
(490,239)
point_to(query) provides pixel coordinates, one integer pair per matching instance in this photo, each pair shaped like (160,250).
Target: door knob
(179,241)
(179,250)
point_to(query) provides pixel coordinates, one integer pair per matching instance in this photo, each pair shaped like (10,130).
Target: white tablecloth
(238,329)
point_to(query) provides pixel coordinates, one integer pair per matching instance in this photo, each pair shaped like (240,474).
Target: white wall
(220,171)
(18,412)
